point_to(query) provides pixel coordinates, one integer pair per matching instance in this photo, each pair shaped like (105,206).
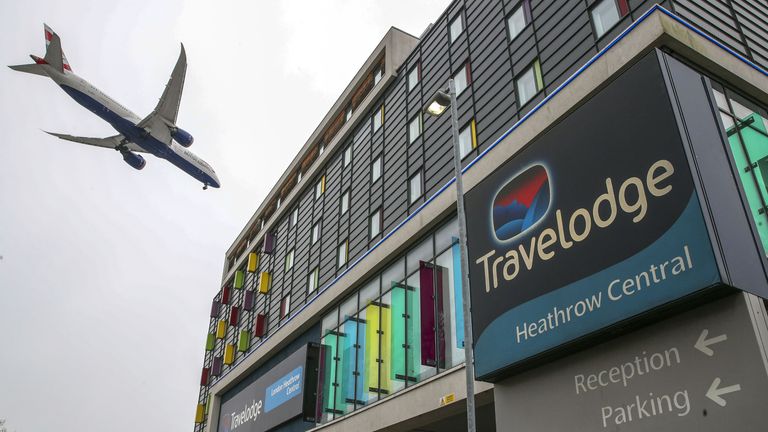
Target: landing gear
(205,186)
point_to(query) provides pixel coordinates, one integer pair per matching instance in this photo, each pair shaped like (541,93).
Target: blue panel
(457,294)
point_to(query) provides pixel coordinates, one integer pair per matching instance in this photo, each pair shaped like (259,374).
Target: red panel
(225,295)
(204,378)
(623,7)
(258,327)
(233,315)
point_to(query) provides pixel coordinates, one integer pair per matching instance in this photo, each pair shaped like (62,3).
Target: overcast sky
(106,273)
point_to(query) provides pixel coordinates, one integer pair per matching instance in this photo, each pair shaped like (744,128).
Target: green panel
(750,150)
(210,342)
(239,278)
(332,396)
(405,335)
(244,342)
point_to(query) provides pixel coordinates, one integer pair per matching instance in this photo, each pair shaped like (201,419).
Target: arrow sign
(715,393)
(703,343)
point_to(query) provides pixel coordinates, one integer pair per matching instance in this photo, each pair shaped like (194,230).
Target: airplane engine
(182,137)
(133,159)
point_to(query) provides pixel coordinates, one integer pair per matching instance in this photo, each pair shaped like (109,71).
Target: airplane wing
(167,110)
(109,142)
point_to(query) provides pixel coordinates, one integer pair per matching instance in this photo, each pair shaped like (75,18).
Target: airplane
(156,133)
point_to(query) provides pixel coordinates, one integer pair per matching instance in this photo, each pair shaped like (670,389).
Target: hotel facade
(613,155)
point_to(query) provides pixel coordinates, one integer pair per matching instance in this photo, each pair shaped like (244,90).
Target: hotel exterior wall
(489,99)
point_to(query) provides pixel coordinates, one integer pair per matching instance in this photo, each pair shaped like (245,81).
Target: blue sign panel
(594,223)
(284,389)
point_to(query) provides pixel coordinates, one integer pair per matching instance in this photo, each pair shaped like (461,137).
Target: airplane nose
(215,181)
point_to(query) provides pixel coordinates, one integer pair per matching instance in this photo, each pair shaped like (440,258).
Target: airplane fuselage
(127,124)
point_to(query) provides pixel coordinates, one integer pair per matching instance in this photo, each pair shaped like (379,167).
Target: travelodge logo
(521,203)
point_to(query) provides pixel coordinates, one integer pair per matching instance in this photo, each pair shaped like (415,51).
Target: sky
(107,273)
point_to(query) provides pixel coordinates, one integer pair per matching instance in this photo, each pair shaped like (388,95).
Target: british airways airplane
(153,134)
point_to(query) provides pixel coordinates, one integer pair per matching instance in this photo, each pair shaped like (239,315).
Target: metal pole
(470,366)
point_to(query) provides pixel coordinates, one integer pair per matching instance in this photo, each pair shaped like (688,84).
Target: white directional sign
(700,371)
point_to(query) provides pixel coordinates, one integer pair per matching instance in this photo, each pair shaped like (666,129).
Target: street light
(436,107)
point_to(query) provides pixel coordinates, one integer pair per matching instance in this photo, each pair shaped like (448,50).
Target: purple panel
(432,318)
(248,301)
(215,306)
(216,368)
(269,242)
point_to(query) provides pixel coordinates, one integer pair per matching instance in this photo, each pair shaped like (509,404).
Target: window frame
(525,7)
(460,18)
(411,198)
(380,113)
(347,156)
(380,160)
(467,77)
(320,188)
(317,226)
(313,280)
(379,224)
(295,216)
(538,80)
(417,70)
(622,10)
(472,126)
(342,210)
(289,261)
(417,118)
(345,247)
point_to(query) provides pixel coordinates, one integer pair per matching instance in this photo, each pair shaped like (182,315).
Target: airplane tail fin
(54,55)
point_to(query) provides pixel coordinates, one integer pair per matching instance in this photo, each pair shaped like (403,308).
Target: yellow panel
(200,413)
(264,282)
(229,354)
(253,262)
(221,329)
(474,134)
(374,356)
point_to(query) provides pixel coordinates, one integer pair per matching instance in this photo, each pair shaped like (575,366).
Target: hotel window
(462,79)
(377,119)
(413,77)
(316,232)
(348,113)
(414,187)
(375,223)
(298,176)
(529,83)
(313,280)
(285,306)
(322,149)
(320,187)
(606,13)
(456,27)
(348,155)
(468,139)
(289,261)
(294,217)
(342,255)
(414,128)
(520,18)
(344,202)
(376,169)
(279,202)
(378,75)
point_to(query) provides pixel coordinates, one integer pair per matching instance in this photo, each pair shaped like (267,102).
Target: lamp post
(435,107)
